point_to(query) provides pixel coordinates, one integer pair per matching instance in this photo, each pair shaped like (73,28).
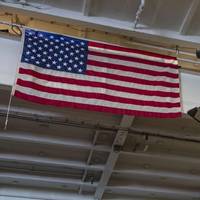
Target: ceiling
(174,20)
(60,154)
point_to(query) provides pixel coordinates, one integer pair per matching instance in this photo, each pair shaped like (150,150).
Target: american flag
(65,71)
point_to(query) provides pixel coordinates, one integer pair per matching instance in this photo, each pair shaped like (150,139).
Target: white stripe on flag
(132,74)
(132,64)
(94,90)
(98,102)
(98,79)
(134,55)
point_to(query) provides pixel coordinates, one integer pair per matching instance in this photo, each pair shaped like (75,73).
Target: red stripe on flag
(94,107)
(131,69)
(97,96)
(129,50)
(97,84)
(131,59)
(132,80)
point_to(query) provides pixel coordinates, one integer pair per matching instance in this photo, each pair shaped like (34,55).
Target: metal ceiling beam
(20,114)
(86,7)
(54,162)
(55,141)
(42,179)
(113,156)
(165,135)
(170,157)
(28,193)
(188,17)
(116,196)
(156,173)
(25,137)
(53,118)
(173,193)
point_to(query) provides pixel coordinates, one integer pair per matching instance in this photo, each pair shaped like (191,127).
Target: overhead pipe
(42,178)
(54,162)
(42,139)
(174,193)
(11,191)
(157,174)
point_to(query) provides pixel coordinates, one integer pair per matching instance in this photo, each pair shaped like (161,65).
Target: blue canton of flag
(55,52)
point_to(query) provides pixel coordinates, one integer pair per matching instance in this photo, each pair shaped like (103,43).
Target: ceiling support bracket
(117,146)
